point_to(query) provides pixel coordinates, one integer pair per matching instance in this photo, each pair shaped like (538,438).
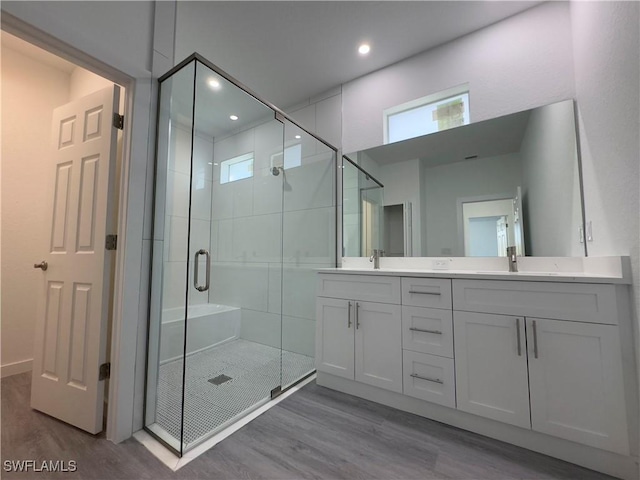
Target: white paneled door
(71,329)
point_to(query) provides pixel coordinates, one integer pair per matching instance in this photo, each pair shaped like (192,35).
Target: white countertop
(586,270)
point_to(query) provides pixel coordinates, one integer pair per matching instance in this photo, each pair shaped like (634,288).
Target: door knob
(43,265)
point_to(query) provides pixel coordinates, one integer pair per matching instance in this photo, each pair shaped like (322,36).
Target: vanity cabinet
(576,383)
(545,358)
(559,377)
(360,340)
(491,367)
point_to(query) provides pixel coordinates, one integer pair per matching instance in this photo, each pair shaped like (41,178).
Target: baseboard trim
(16,368)
(620,466)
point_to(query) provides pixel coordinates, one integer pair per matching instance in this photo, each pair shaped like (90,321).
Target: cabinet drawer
(427,330)
(371,288)
(426,292)
(565,301)
(429,378)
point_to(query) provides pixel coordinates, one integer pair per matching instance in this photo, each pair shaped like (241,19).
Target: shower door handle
(200,288)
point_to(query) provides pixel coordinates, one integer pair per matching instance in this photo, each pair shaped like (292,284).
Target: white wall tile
(201,198)
(309,186)
(180,150)
(240,285)
(233,146)
(200,236)
(261,327)
(275,288)
(298,335)
(309,236)
(268,142)
(299,286)
(176,243)
(222,200)
(173,284)
(224,245)
(242,197)
(257,238)
(203,156)
(267,192)
(178,186)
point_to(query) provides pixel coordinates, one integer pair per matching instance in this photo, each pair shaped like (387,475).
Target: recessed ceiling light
(364,49)
(233,117)
(213,83)
(298,137)
(210,163)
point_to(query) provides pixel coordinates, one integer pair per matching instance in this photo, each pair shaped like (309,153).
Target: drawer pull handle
(434,380)
(437,332)
(424,293)
(535,339)
(518,335)
(357,315)
(349,316)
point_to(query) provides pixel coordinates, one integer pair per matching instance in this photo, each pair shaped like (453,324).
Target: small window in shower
(237,168)
(430,114)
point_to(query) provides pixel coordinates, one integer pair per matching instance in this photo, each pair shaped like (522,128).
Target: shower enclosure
(245,214)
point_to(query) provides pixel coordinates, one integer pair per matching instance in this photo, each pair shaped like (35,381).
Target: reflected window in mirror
(438,189)
(433,113)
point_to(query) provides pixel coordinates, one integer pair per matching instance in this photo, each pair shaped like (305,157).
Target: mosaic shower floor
(254,370)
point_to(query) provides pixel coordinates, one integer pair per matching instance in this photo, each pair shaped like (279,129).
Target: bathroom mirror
(471,190)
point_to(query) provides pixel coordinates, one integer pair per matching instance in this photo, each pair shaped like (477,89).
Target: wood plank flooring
(316,433)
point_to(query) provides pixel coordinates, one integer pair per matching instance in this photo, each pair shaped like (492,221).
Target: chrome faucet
(513,259)
(375,258)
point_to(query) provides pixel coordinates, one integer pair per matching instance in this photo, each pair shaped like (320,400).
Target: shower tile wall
(177,213)
(250,235)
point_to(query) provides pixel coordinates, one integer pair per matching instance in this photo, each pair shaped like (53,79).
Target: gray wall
(445,184)
(510,66)
(551,187)
(606,42)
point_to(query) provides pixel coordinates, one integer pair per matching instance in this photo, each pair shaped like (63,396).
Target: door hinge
(105,371)
(276,391)
(111,242)
(118,121)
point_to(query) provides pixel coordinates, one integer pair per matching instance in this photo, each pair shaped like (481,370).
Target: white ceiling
(290,51)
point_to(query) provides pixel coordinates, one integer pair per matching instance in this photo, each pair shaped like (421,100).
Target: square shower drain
(219,380)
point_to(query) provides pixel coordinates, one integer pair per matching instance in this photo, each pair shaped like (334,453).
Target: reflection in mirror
(362,211)
(476,189)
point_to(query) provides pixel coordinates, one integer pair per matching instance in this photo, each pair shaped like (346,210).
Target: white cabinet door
(334,336)
(378,358)
(491,367)
(577,391)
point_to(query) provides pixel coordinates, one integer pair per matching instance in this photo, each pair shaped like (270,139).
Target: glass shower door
(234,326)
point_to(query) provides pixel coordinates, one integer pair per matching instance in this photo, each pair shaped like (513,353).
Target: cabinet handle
(424,293)
(434,380)
(437,332)
(518,335)
(357,315)
(535,339)
(349,316)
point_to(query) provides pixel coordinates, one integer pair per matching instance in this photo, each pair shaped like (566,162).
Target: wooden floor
(315,433)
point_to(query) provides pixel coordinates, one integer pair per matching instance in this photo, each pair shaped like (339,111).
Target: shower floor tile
(254,370)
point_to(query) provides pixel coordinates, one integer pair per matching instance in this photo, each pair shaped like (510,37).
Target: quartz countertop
(605,275)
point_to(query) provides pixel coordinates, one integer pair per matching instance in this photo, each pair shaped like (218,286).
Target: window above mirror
(433,113)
